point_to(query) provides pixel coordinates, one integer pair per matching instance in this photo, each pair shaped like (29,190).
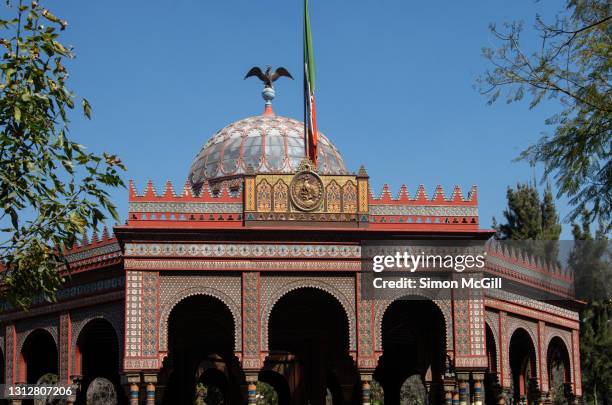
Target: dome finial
(268,95)
(268,77)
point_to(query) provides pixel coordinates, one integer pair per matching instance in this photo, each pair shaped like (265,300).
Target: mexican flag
(310,115)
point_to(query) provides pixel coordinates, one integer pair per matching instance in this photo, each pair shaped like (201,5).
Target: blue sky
(395,85)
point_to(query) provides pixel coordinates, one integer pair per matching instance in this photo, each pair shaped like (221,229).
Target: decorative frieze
(186,207)
(242,250)
(244,265)
(424,210)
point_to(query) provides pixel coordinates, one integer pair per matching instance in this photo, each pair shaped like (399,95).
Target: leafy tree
(572,67)
(528,218)
(266,395)
(523,215)
(51,188)
(590,261)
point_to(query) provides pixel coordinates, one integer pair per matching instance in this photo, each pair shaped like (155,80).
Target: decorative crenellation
(527,269)
(224,204)
(421,198)
(406,212)
(273,288)
(93,252)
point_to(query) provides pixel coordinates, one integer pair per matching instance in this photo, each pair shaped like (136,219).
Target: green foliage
(266,395)
(413,391)
(571,66)
(590,260)
(528,218)
(51,188)
(377,395)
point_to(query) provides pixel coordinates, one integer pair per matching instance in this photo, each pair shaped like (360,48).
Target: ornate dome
(266,143)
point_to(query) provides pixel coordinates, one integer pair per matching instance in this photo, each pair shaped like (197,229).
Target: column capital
(366,375)
(130,378)
(149,378)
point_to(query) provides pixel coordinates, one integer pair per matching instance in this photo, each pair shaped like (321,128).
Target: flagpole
(306,95)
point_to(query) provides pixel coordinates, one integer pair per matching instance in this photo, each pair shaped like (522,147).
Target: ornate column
(366,381)
(131,382)
(251,356)
(251,379)
(75,384)
(463,388)
(456,400)
(449,390)
(478,379)
(150,380)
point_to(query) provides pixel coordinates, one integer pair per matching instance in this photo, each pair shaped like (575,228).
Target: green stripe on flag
(308,52)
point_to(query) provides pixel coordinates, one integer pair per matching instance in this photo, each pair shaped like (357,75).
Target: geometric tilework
(492,320)
(9,355)
(250,304)
(150,283)
(242,250)
(133,314)
(462,327)
(64,347)
(477,327)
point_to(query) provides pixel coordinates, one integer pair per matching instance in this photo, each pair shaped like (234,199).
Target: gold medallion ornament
(306,190)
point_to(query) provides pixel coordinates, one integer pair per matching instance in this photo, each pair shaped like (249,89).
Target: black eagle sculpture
(268,77)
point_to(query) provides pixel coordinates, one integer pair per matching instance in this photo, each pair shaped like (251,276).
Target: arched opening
(414,343)
(38,360)
(522,366)
(308,344)
(558,365)
(201,361)
(491,384)
(97,358)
